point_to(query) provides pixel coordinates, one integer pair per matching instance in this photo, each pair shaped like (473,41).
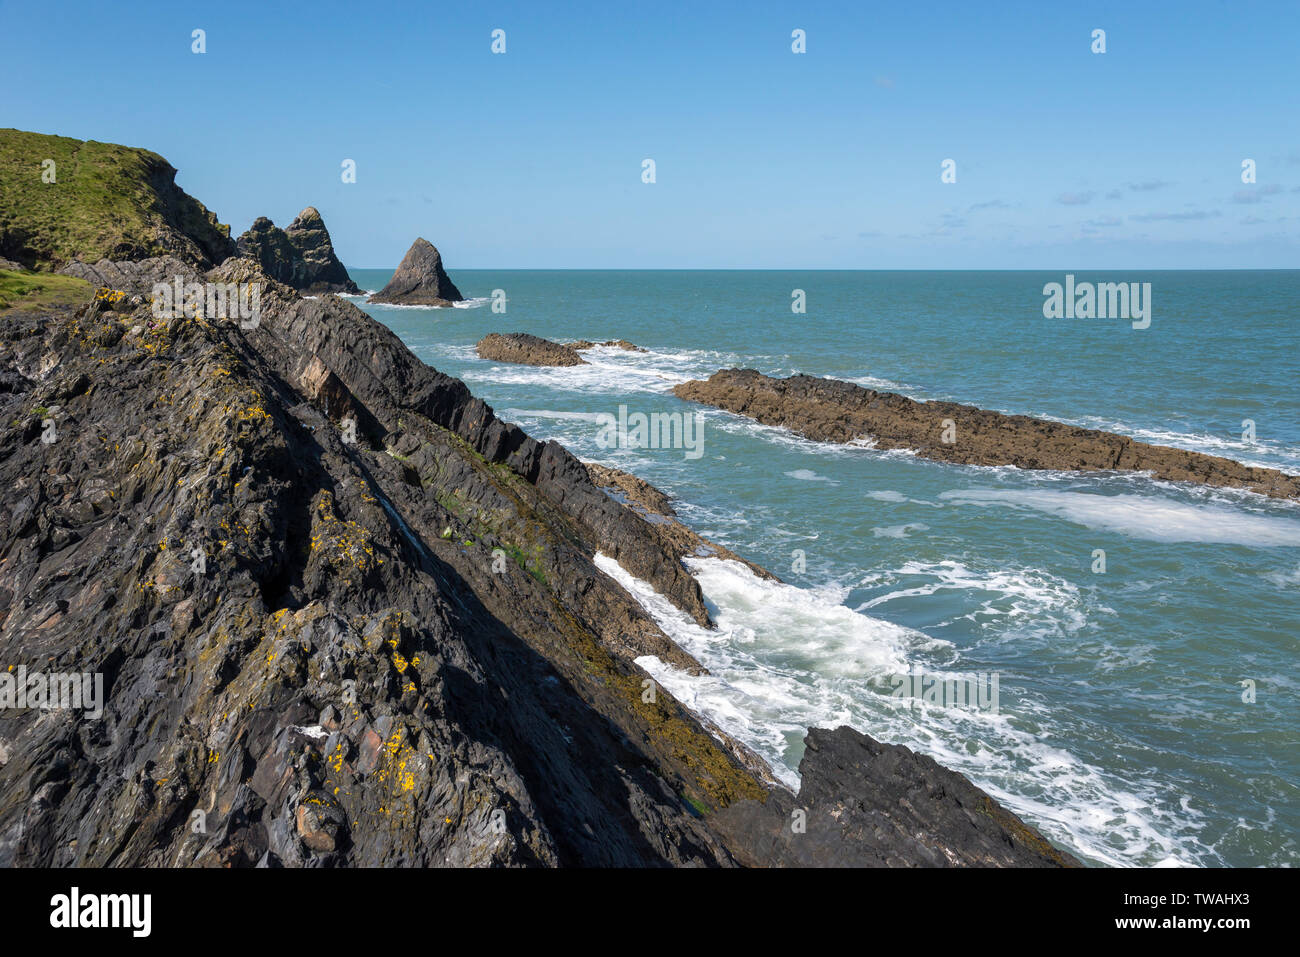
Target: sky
(764,158)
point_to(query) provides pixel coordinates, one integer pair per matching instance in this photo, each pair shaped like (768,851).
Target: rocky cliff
(828,410)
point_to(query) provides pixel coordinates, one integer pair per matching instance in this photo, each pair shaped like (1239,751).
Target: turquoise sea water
(1121,729)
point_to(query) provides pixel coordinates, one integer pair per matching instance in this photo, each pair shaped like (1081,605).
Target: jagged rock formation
(67,199)
(828,410)
(524,349)
(312,240)
(868,804)
(420,280)
(344,615)
(301,256)
(9,264)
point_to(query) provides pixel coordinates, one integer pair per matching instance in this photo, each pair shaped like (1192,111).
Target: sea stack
(420,280)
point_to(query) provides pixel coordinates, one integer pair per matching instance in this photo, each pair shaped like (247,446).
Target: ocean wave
(404,306)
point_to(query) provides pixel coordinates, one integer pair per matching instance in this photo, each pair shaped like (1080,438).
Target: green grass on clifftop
(106,201)
(25,290)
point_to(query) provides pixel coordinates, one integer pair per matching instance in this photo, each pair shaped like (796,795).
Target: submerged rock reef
(343,615)
(829,410)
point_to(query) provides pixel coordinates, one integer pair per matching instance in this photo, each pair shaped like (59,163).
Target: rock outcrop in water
(301,256)
(420,280)
(828,410)
(524,349)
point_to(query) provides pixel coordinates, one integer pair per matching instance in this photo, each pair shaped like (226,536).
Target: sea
(1112,657)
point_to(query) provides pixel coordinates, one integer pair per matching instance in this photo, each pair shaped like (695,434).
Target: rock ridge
(830,410)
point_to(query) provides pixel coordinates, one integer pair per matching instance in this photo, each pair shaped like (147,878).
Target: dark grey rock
(420,280)
(301,256)
(862,803)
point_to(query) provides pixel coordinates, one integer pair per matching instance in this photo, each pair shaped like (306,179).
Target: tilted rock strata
(356,676)
(135,278)
(828,410)
(524,349)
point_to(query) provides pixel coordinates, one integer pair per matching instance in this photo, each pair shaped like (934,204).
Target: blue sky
(1066,159)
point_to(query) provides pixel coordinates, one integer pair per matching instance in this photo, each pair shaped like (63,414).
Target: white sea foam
(1284,578)
(604,374)
(808,475)
(551,414)
(898,498)
(1009,602)
(887,495)
(1143,516)
(464,304)
(784,659)
(880,385)
(899,531)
